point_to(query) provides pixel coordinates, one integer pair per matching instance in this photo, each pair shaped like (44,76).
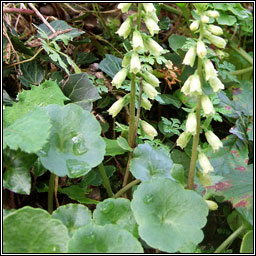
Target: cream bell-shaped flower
(190,57)
(148,129)
(186,87)
(145,103)
(149,7)
(209,70)
(213,140)
(194,25)
(191,123)
(135,65)
(116,107)
(216,84)
(213,206)
(205,163)
(124,7)
(183,139)
(125,28)
(119,77)
(195,85)
(154,47)
(150,91)
(201,49)
(216,40)
(205,19)
(213,14)
(153,16)
(207,106)
(216,30)
(126,61)
(151,25)
(150,78)
(137,41)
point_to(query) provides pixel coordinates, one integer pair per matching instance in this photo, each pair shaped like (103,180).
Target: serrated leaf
(148,162)
(73,216)
(80,90)
(116,211)
(163,210)
(29,133)
(109,238)
(33,230)
(110,65)
(75,145)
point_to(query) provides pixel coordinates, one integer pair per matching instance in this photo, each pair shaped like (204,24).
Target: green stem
(229,240)
(242,52)
(51,192)
(105,180)
(126,188)
(171,9)
(139,16)
(242,71)
(132,111)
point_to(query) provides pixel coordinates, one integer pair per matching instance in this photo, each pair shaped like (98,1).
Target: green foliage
(247,243)
(110,65)
(169,127)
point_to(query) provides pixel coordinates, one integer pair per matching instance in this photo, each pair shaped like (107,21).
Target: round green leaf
(110,238)
(116,211)
(148,162)
(168,215)
(73,216)
(32,230)
(75,145)
(247,243)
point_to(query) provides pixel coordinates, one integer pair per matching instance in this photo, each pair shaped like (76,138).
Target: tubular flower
(149,7)
(205,19)
(213,206)
(116,107)
(119,77)
(186,87)
(216,30)
(137,41)
(126,61)
(194,25)
(153,16)
(191,124)
(213,14)
(205,163)
(151,25)
(210,71)
(216,40)
(213,140)
(216,84)
(201,49)
(183,139)
(207,106)
(145,103)
(154,47)
(135,63)
(150,78)
(195,85)
(149,90)
(124,7)
(190,57)
(125,28)
(148,129)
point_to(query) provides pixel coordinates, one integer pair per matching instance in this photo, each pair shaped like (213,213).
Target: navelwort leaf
(168,215)
(33,230)
(75,145)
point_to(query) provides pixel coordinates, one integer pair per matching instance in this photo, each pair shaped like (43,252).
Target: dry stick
(21,11)
(41,17)
(56,190)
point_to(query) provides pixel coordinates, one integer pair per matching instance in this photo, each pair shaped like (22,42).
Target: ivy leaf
(33,230)
(75,145)
(163,210)
(116,211)
(80,90)
(110,65)
(109,238)
(148,162)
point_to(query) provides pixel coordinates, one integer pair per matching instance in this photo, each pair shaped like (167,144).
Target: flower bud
(213,14)
(213,206)
(183,139)
(137,41)
(151,25)
(149,90)
(116,107)
(216,30)
(124,7)
(186,87)
(149,7)
(194,25)
(191,123)
(195,85)
(221,54)
(135,63)
(119,77)
(154,47)
(126,61)
(125,28)
(213,140)
(190,57)
(205,163)
(210,71)
(216,84)
(150,78)
(200,49)
(145,103)
(207,106)
(153,16)
(205,19)
(148,129)
(216,40)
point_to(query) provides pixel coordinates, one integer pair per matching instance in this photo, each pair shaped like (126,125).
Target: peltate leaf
(168,215)
(80,90)
(33,230)
(148,162)
(75,145)
(225,19)
(109,238)
(110,65)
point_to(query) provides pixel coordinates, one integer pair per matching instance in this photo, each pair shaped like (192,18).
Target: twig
(56,184)
(21,11)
